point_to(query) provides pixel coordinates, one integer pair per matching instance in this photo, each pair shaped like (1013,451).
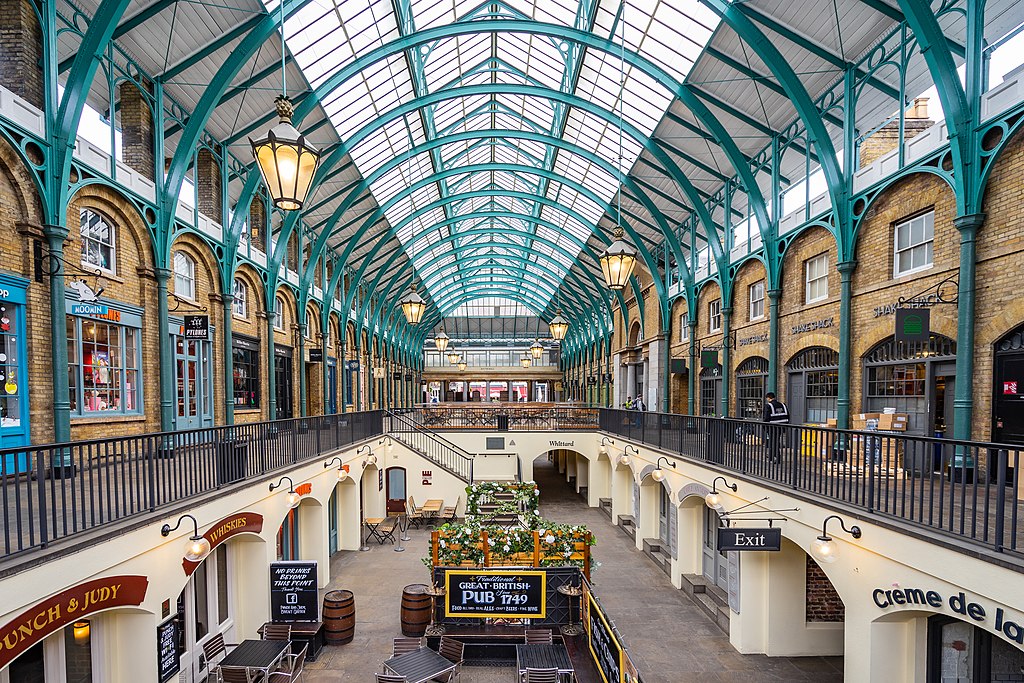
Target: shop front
(193,373)
(283,381)
(1008,402)
(104,359)
(710,390)
(751,377)
(14,409)
(812,385)
(245,368)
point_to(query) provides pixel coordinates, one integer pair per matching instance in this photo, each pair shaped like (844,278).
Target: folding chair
(541,676)
(450,513)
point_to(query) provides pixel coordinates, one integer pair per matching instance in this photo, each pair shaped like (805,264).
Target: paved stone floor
(670,639)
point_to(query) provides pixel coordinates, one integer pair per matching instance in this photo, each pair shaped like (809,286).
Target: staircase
(709,597)
(429,445)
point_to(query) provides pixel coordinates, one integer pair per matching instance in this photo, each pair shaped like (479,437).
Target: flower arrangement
(524,501)
(463,544)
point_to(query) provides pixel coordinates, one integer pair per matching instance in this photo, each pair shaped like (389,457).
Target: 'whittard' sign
(749,539)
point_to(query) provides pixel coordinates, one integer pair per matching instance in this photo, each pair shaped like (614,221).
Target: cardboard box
(866,416)
(893,422)
(831,422)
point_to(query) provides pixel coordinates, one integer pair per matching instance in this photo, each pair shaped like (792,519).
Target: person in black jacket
(775,413)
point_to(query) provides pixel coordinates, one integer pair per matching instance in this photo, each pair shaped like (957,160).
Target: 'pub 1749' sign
(507,594)
(749,539)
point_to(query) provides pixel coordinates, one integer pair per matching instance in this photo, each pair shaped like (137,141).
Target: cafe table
(419,665)
(257,654)
(371,526)
(531,656)
(431,508)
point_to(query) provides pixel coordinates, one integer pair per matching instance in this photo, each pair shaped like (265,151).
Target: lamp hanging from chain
(453,356)
(558,326)
(525,361)
(618,260)
(461,365)
(536,350)
(286,161)
(412,305)
(441,341)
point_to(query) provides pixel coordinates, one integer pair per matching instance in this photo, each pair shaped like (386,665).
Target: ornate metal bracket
(49,264)
(179,302)
(946,292)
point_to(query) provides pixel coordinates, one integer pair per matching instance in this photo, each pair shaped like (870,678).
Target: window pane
(222,584)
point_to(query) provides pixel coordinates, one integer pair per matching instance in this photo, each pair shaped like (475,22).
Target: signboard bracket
(180,302)
(946,292)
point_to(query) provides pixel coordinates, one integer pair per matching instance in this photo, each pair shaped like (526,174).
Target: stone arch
(634,333)
(879,330)
(22,183)
(754,269)
(893,185)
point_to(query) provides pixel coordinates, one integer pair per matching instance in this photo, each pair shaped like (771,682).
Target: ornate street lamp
(412,305)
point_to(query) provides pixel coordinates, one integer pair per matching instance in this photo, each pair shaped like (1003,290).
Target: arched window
(751,375)
(99,241)
(812,387)
(906,377)
(184,275)
(279,312)
(240,292)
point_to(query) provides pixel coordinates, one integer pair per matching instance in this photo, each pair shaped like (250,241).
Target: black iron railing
(507,417)
(967,489)
(58,490)
(406,428)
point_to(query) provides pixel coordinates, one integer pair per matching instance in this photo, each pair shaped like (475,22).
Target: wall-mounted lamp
(659,474)
(714,498)
(824,549)
(624,458)
(342,472)
(80,629)
(603,449)
(197,547)
(370,458)
(293,496)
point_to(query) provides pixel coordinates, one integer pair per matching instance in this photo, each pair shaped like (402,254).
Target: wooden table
(371,525)
(419,665)
(543,657)
(308,633)
(431,508)
(257,654)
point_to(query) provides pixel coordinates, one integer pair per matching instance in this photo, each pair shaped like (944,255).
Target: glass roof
(488,91)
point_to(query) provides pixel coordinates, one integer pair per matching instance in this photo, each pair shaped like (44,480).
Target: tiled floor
(670,639)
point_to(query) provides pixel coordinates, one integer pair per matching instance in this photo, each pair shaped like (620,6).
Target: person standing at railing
(775,413)
(628,405)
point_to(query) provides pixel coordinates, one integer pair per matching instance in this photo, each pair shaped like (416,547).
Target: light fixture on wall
(824,549)
(659,474)
(536,350)
(413,305)
(81,629)
(525,361)
(603,448)
(624,458)
(342,472)
(293,496)
(370,458)
(441,341)
(714,498)
(286,161)
(197,547)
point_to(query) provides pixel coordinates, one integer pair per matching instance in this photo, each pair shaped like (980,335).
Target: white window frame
(86,240)
(929,220)
(240,304)
(184,282)
(809,281)
(752,314)
(715,314)
(279,313)
(684,326)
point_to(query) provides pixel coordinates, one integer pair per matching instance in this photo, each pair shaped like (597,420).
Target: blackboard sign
(508,594)
(168,659)
(197,327)
(316,355)
(603,644)
(293,591)
(749,539)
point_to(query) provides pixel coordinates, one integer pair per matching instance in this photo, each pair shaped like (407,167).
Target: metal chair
(414,514)
(239,674)
(538,636)
(290,669)
(389,678)
(541,676)
(215,649)
(403,645)
(277,632)
(453,650)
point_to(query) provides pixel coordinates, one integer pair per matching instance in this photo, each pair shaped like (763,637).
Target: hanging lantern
(617,262)
(462,365)
(287,163)
(453,356)
(441,341)
(558,326)
(412,305)
(536,350)
(525,361)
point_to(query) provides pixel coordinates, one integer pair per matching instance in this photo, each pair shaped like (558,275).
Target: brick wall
(136,129)
(208,184)
(253,325)
(21,51)
(823,602)
(886,138)
(258,224)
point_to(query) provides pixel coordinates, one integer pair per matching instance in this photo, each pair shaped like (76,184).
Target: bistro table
(257,654)
(419,665)
(543,657)
(371,526)
(431,508)
(308,633)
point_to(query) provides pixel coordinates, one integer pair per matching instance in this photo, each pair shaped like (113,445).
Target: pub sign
(197,327)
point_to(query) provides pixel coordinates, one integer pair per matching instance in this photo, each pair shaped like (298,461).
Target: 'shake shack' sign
(78,602)
(242,523)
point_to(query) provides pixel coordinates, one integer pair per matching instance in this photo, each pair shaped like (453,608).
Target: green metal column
(691,376)
(963,399)
(271,380)
(726,324)
(666,395)
(163,275)
(774,296)
(303,408)
(846,269)
(325,383)
(55,236)
(229,377)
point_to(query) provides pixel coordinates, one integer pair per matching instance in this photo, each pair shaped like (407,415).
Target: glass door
(283,385)
(193,386)
(13,383)
(332,388)
(203,611)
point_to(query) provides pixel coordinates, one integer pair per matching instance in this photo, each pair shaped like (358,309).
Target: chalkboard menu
(293,591)
(603,644)
(168,659)
(508,594)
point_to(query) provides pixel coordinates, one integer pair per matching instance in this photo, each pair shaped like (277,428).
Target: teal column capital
(846,268)
(969,223)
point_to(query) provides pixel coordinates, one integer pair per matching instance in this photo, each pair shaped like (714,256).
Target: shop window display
(245,368)
(10,382)
(103,367)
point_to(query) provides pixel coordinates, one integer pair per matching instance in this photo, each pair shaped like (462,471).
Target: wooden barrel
(339,617)
(415,610)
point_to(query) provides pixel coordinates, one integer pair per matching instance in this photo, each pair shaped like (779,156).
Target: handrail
(438,450)
(930,482)
(418,423)
(53,491)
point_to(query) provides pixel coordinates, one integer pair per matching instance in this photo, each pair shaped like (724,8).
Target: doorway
(396,490)
(715,562)
(664,513)
(14,413)
(283,382)
(332,522)
(204,611)
(710,390)
(193,383)
(332,388)
(1008,403)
